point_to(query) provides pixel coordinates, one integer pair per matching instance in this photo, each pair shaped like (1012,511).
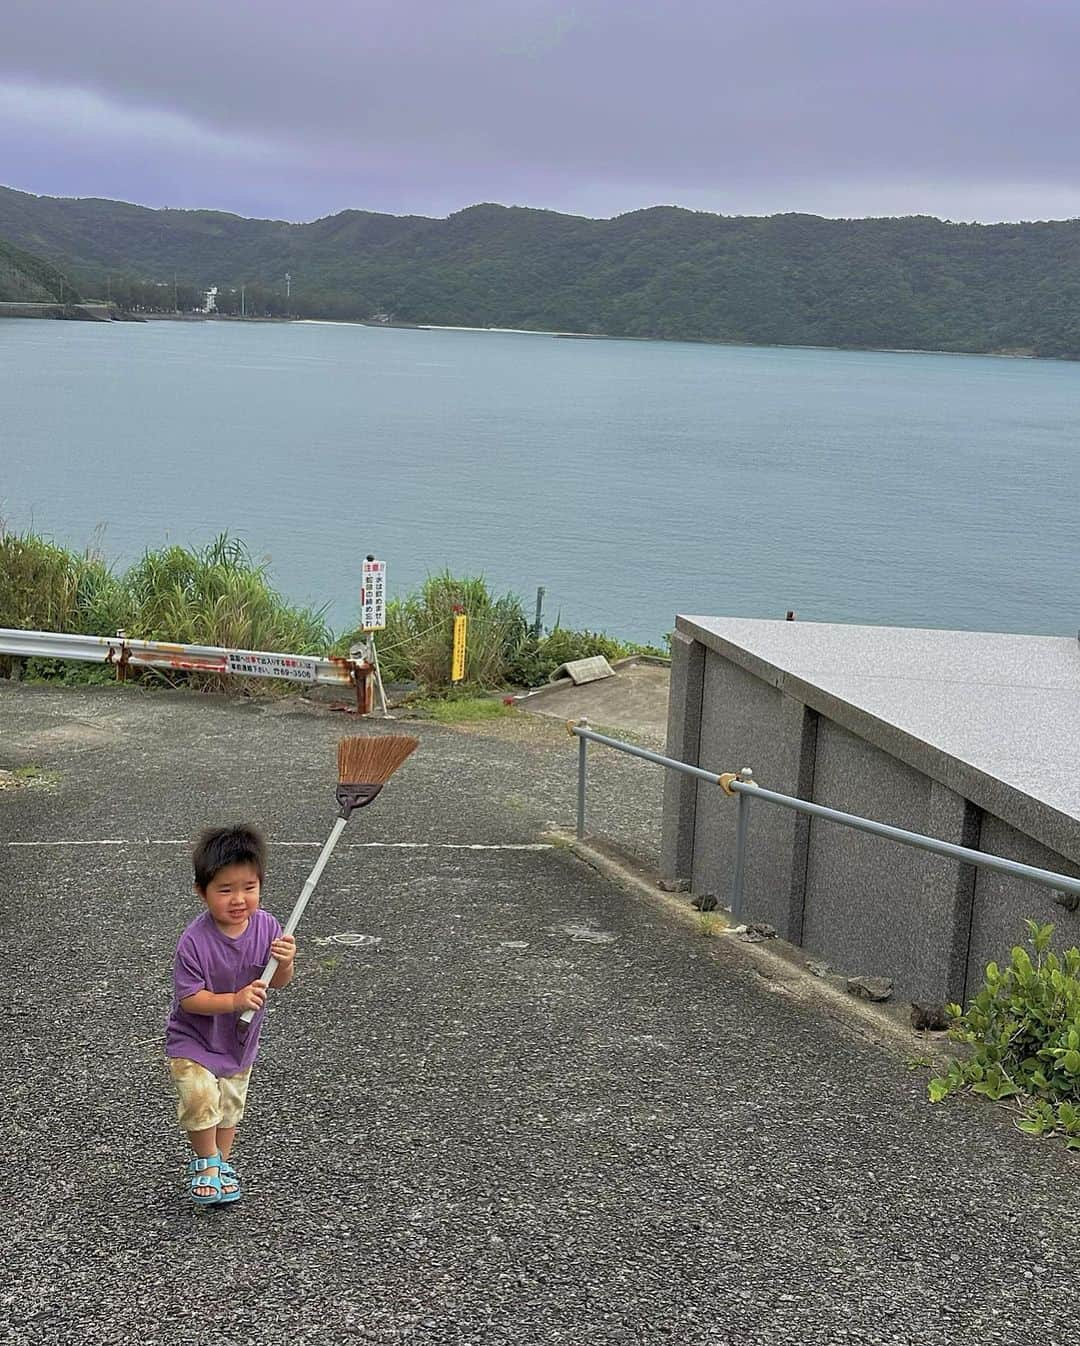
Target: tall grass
(219,595)
(418,642)
(501,648)
(214,596)
(43,587)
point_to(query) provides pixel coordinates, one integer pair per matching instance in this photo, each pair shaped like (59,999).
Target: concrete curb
(780,964)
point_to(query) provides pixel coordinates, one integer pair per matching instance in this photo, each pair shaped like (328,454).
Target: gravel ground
(539,1111)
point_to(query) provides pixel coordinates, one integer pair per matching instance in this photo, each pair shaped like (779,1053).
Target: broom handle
(301,902)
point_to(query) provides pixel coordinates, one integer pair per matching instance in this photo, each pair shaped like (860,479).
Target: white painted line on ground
(351,846)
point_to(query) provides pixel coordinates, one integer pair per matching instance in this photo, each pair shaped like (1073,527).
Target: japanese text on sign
(373,597)
(271,666)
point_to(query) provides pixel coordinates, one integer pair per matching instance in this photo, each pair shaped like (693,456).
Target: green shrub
(70,672)
(1024,1030)
(536,660)
(418,642)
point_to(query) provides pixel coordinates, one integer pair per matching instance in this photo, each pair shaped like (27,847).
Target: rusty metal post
(360,675)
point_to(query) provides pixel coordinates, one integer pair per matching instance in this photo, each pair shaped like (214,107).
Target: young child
(216,973)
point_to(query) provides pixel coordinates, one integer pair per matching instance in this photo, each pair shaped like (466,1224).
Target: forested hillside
(28,279)
(664,272)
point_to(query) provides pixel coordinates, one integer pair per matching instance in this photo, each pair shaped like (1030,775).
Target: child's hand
(284,949)
(250,997)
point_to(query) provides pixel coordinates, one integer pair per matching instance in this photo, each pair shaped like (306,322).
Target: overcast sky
(965,109)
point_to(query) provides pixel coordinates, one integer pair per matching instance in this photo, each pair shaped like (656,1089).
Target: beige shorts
(204,1099)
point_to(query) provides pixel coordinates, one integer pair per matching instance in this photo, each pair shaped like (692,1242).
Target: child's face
(231,896)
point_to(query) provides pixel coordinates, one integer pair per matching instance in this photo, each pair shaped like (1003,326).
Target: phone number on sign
(271,666)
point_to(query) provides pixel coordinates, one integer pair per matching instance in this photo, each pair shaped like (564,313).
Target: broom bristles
(372,761)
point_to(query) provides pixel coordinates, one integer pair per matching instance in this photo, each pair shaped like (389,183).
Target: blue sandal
(226,1176)
(229,1178)
(198,1169)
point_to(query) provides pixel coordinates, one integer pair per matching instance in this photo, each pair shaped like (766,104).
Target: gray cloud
(272,106)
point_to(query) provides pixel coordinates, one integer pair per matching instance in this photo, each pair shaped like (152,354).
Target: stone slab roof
(995,717)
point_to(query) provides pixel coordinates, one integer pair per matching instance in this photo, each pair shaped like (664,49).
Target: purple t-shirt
(208,960)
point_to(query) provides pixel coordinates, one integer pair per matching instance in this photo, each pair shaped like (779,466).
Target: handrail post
(583,766)
(742,823)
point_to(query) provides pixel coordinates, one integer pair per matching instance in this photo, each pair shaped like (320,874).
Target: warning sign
(293,667)
(373,597)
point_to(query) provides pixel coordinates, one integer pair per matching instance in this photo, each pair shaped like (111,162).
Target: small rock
(871,988)
(933,1017)
(704,902)
(758,930)
(818,969)
(674,885)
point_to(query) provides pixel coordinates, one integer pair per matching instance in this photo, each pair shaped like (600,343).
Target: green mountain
(914,282)
(25,278)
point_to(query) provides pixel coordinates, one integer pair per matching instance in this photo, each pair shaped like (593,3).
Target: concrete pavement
(539,1111)
(635,699)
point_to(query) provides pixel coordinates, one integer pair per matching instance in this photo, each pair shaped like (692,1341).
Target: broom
(364,767)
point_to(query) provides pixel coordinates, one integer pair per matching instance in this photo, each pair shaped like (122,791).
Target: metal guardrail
(124,653)
(744,787)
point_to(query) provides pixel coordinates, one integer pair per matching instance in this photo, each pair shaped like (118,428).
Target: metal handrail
(123,652)
(579,728)
(743,785)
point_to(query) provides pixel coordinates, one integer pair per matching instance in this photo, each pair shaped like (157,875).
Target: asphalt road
(537,1111)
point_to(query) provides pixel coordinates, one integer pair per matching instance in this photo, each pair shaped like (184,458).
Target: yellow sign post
(457,669)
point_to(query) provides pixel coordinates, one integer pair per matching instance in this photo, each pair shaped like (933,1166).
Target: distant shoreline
(456,327)
(209,317)
(583,336)
(671,341)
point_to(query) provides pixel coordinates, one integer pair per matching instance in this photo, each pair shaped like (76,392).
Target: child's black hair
(217,847)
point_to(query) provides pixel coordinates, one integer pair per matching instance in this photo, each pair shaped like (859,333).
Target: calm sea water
(633,480)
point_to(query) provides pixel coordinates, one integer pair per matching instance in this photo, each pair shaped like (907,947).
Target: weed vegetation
(220,595)
(502,648)
(1023,1031)
(217,595)
(466,709)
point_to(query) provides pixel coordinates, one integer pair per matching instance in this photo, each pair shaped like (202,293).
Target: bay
(633,480)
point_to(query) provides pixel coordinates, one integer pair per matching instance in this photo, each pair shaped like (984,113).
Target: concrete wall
(863,904)
(875,906)
(1001,903)
(738,708)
